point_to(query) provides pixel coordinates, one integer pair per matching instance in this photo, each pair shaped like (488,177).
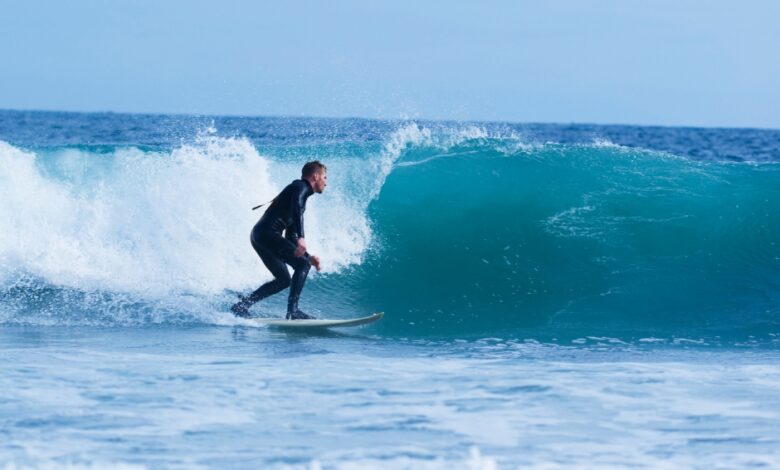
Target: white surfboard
(318,323)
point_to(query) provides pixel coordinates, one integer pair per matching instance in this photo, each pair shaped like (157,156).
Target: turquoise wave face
(569,239)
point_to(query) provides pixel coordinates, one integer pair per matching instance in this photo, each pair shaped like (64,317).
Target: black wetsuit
(284,214)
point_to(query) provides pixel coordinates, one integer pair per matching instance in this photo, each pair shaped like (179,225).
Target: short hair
(312,168)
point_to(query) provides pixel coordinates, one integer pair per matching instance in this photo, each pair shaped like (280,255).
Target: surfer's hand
(301,248)
(315,261)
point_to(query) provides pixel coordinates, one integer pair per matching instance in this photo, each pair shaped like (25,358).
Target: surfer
(285,214)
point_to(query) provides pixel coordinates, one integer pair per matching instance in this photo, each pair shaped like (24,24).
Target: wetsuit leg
(284,248)
(275,263)
(301,266)
(275,251)
(278,268)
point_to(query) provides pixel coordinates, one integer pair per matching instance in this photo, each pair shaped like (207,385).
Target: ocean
(555,295)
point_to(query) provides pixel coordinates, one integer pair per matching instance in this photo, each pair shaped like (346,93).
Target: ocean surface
(555,296)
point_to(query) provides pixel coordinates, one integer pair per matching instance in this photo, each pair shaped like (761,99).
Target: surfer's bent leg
(285,249)
(276,264)
(276,252)
(301,266)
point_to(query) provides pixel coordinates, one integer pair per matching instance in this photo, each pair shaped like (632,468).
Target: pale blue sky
(681,62)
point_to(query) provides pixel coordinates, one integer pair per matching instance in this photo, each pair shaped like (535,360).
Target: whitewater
(554,295)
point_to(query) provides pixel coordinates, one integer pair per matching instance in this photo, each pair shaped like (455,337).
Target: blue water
(555,295)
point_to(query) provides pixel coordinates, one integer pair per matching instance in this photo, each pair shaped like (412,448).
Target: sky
(653,62)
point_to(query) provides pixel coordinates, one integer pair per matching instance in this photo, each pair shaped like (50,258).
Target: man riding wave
(285,214)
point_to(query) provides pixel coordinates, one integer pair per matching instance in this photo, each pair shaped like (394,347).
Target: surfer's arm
(298,205)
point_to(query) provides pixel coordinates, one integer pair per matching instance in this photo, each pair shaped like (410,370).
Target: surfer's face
(320,181)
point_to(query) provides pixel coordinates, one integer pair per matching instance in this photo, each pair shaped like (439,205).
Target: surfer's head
(316,174)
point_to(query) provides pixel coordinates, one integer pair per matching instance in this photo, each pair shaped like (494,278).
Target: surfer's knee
(283,282)
(303,263)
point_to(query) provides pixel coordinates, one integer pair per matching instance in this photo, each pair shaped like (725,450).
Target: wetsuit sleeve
(298,205)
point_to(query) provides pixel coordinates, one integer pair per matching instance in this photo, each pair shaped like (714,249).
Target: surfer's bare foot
(298,315)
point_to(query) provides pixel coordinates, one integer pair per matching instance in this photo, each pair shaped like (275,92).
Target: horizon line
(416,119)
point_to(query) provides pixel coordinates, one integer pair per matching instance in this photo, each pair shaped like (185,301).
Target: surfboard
(318,323)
